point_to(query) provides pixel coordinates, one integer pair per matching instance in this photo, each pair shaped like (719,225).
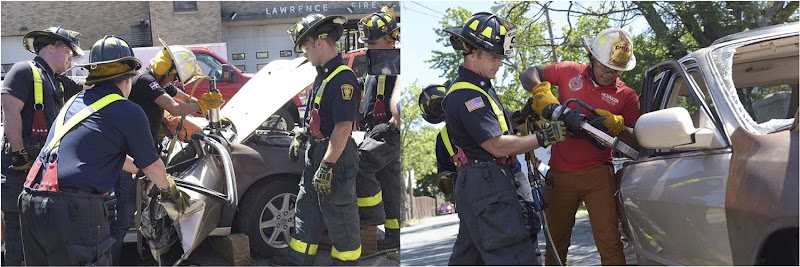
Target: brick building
(254,32)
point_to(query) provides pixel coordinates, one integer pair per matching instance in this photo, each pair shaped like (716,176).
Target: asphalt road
(430,242)
(204,255)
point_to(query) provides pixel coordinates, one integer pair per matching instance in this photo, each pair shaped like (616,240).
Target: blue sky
(419,38)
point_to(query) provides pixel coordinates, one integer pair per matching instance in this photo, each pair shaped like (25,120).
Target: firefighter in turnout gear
(448,154)
(153,90)
(33,93)
(96,135)
(492,227)
(378,183)
(327,197)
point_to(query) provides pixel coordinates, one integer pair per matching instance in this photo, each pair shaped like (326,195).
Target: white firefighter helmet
(185,62)
(613,48)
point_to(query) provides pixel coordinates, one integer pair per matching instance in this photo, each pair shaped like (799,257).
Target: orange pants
(595,187)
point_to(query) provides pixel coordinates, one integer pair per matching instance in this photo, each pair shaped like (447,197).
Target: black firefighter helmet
(430,103)
(110,57)
(379,25)
(485,31)
(36,39)
(315,25)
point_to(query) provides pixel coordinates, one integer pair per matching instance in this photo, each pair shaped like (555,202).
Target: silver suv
(717,183)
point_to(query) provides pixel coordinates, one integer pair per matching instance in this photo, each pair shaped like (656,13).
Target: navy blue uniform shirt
(469,115)
(371,96)
(19,83)
(144,92)
(444,164)
(91,155)
(340,98)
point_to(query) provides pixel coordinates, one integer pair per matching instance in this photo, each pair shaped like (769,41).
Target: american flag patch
(154,85)
(474,104)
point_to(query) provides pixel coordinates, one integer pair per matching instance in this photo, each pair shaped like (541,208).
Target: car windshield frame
(721,59)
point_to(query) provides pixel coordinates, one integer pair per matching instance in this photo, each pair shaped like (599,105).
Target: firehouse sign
(281,9)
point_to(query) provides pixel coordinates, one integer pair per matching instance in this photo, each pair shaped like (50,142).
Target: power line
(420,12)
(428,8)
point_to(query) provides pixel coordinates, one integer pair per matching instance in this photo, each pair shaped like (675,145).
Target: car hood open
(266,93)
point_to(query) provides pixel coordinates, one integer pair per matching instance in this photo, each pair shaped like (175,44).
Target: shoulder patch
(154,85)
(347,91)
(474,104)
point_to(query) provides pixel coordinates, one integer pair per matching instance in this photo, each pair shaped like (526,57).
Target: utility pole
(550,30)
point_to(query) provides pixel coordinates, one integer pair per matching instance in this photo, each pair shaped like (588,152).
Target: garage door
(12,51)
(252,47)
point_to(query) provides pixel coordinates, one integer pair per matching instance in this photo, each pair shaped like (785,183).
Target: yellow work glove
(323,177)
(542,97)
(556,132)
(614,123)
(210,100)
(294,148)
(174,200)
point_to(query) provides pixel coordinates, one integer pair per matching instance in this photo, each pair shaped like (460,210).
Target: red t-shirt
(573,81)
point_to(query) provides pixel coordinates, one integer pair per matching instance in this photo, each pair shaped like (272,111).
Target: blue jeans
(125,192)
(13,256)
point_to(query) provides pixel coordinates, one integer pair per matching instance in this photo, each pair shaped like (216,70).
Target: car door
(673,199)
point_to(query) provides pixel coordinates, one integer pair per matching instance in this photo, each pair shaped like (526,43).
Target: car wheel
(266,215)
(281,120)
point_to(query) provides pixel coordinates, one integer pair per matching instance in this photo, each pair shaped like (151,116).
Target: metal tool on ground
(534,123)
(563,112)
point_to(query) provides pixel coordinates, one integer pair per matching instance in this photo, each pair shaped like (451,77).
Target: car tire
(281,120)
(268,204)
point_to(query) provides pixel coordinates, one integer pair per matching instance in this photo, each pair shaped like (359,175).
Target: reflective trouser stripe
(370,201)
(346,255)
(303,247)
(392,224)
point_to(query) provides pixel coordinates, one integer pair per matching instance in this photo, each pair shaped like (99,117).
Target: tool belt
(504,161)
(70,192)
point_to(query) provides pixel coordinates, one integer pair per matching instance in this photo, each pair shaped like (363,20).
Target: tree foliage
(418,142)
(675,29)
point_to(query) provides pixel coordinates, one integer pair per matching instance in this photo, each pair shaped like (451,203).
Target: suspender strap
(501,117)
(318,95)
(446,140)
(37,87)
(381,86)
(61,127)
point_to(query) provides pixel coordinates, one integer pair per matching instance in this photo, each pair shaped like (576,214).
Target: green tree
(419,142)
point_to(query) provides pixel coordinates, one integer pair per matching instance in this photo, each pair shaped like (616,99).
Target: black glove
(446,180)
(297,143)
(380,130)
(556,132)
(20,160)
(323,177)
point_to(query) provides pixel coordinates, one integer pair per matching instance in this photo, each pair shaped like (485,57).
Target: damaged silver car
(238,175)
(717,182)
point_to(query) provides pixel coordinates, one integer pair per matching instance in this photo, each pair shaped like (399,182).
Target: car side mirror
(672,128)
(228,74)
